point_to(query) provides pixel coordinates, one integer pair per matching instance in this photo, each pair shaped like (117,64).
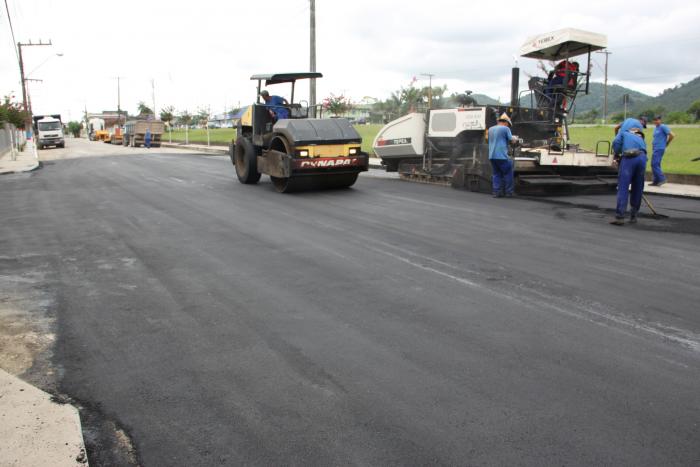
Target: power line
(605,85)
(12,30)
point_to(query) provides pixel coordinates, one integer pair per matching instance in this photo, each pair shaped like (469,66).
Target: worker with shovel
(499,137)
(632,149)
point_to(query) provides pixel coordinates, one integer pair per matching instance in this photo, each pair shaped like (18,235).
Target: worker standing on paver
(662,138)
(632,149)
(499,138)
(147,139)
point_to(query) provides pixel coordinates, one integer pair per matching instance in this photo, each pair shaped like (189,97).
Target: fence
(11,141)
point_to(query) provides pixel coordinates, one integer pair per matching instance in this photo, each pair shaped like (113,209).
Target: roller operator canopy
(277,78)
(563,44)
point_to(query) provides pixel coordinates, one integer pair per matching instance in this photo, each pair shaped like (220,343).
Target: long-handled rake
(651,208)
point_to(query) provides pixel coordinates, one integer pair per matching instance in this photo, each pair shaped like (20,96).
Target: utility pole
(119,101)
(430,89)
(29,97)
(312,56)
(25,97)
(605,86)
(153,96)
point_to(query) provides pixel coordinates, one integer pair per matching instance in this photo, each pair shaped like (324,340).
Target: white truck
(49,131)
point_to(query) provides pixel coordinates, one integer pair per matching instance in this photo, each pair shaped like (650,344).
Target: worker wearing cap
(499,137)
(630,123)
(633,163)
(276,103)
(662,138)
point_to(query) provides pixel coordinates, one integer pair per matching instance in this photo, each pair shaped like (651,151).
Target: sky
(201,54)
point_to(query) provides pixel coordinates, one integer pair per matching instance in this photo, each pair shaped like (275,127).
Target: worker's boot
(618,221)
(633,218)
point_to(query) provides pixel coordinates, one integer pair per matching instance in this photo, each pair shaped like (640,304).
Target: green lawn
(685,147)
(368,132)
(225,135)
(221,136)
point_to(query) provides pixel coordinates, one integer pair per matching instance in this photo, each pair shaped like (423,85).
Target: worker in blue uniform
(276,103)
(630,123)
(632,149)
(662,138)
(500,137)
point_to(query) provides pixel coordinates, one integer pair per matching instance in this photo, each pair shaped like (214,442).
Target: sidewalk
(674,189)
(220,150)
(34,430)
(25,161)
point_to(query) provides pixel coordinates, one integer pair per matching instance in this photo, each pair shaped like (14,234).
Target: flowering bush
(337,105)
(12,112)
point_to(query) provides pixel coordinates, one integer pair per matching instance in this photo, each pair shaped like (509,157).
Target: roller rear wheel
(245,160)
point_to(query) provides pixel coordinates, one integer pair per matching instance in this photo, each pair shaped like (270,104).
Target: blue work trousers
(502,176)
(657,174)
(631,173)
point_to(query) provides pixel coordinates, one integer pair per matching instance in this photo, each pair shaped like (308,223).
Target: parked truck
(49,131)
(116,136)
(135,132)
(97,130)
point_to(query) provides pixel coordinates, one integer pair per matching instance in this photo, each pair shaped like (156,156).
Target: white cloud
(202,53)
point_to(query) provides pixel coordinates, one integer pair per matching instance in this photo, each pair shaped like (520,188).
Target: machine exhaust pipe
(514,87)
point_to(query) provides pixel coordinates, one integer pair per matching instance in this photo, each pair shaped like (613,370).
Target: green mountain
(678,98)
(483,99)
(596,97)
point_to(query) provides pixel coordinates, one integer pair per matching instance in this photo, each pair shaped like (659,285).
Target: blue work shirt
(276,103)
(499,137)
(661,133)
(275,100)
(627,141)
(630,123)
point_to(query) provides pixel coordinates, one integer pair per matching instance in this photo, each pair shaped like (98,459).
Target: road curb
(36,430)
(219,150)
(36,166)
(671,195)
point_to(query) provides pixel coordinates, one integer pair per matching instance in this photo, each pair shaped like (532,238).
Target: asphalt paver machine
(450,146)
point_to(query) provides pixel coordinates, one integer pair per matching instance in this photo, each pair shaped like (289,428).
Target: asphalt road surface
(388,324)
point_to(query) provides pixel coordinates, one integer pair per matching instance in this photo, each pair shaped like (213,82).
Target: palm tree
(167,115)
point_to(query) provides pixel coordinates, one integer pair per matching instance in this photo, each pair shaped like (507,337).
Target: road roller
(278,138)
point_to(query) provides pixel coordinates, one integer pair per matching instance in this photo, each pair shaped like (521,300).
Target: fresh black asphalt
(388,324)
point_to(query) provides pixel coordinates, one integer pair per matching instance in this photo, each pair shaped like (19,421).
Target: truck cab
(49,132)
